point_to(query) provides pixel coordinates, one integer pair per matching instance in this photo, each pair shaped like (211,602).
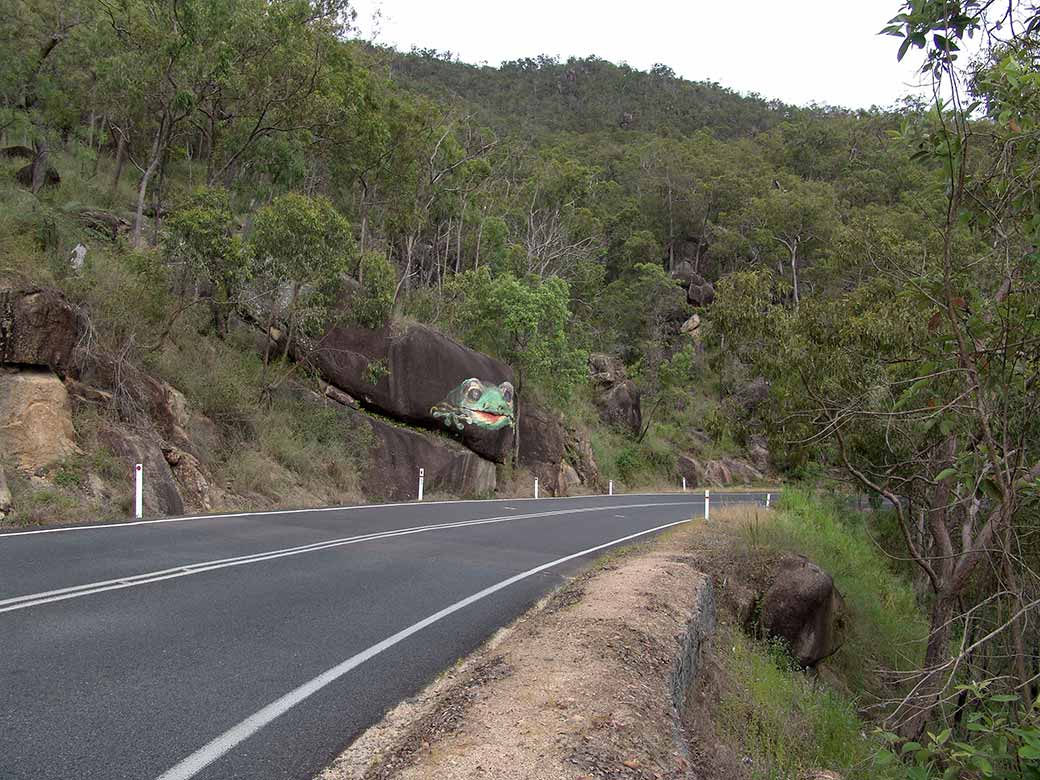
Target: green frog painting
(483,404)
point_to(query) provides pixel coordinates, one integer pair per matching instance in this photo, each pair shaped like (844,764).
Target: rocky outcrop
(406,373)
(397,454)
(194,485)
(758,453)
(560,456)
(722,472)
(38,327)
(616,396)
(35,419)
(161,496)
(700,292)
(804,609)
(582,459)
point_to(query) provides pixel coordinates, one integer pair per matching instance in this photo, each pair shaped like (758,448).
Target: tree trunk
(120,162)
(794,276)
(38,171)
(142,192)
(916,711)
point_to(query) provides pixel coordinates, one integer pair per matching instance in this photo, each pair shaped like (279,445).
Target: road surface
(258,646)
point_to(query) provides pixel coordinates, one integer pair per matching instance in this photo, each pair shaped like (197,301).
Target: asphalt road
(259,645)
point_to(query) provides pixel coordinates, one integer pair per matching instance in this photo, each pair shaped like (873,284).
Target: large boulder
(700,291)
(397,454)
(35,419)
(804,609)
(161,496)
(38,327)
(616,396)
(416,374)
(542,436)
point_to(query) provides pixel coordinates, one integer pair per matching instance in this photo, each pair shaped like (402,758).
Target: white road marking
(231,738)
(75,591)
(111,526)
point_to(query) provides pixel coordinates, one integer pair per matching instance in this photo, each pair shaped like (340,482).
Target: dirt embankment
(582,687)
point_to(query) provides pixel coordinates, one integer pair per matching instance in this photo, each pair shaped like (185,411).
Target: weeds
(784,722)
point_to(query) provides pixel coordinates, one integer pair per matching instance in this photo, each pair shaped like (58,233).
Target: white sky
(799,51)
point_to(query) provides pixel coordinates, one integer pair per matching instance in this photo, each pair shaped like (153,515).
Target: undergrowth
(886,627)
(786,722)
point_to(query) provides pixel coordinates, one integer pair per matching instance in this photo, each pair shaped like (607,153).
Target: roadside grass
(785,722)
(887,630)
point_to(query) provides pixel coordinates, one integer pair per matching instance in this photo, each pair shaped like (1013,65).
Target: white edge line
(28,600)
(227,741)
(269,512)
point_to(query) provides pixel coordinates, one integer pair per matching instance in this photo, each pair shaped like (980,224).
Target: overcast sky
(799,51)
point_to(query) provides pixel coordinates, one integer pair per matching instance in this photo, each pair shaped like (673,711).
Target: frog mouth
(488,418)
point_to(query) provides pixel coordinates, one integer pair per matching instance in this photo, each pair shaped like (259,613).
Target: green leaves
(523,322)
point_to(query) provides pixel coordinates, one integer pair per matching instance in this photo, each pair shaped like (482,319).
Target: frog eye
(474,393)
(507,392)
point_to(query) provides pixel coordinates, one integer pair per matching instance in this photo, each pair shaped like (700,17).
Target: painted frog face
(474,402)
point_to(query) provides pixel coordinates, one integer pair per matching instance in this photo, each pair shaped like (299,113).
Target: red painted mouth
(488,417)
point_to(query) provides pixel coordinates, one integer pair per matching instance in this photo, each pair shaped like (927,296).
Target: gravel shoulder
(580,687)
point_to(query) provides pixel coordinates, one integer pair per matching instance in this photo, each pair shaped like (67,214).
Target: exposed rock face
(38,327)
(397,454)
(541,436)
(617,398)
(803,608)
(194,484)
(758,452)
(35,419)
(406,374)
(161,496)
(581,457)
(717,473)
(560,456)
(691,469)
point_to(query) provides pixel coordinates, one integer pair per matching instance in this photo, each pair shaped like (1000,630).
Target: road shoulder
(584,685)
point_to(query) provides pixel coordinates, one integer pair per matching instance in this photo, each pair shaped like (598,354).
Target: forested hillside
(279,232)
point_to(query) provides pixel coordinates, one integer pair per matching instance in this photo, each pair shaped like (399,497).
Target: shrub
(372,304)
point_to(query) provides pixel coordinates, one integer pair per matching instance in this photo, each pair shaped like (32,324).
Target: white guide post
(422,477)
(610,488)
(707,502)
(536,487)
(684,484)
(138,491)
(768,496)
